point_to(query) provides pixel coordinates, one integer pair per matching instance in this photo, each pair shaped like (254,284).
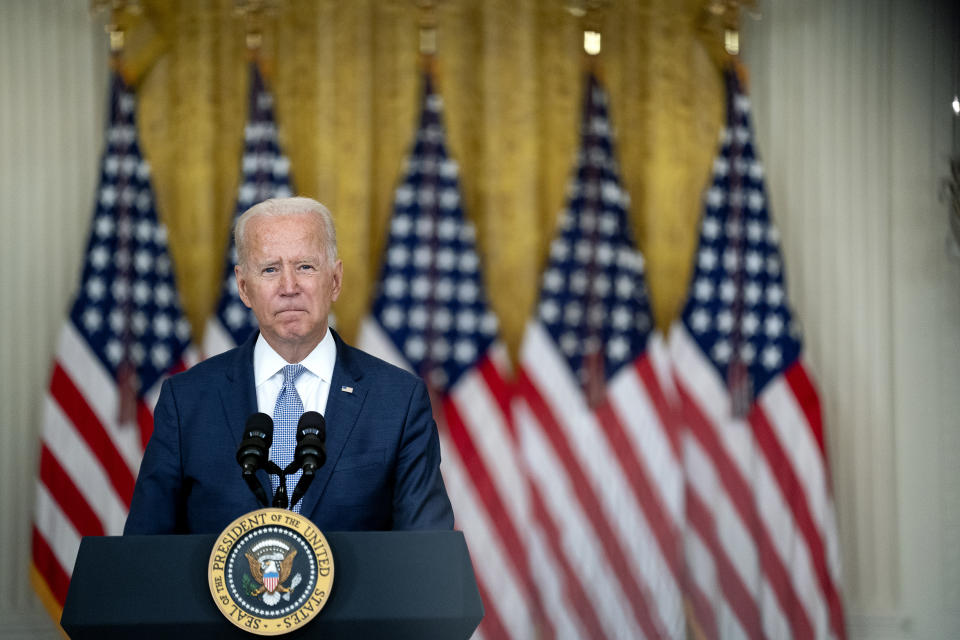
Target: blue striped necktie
(285,417)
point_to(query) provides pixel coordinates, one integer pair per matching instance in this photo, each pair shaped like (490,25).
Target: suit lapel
(238,396)
(343,407)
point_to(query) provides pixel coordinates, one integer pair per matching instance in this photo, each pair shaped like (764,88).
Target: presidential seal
(270,571)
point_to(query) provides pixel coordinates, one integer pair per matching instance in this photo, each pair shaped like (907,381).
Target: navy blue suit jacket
(383,453)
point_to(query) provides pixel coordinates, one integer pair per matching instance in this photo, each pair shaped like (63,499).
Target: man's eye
(270,270)
(306,267)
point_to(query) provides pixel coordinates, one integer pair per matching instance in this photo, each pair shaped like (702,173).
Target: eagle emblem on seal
(271,563)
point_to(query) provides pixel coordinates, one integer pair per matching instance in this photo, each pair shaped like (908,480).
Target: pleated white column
(52,91)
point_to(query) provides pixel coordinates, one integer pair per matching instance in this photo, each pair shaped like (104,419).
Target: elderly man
(383,455)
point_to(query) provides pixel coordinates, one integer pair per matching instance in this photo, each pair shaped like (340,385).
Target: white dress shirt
(313,385)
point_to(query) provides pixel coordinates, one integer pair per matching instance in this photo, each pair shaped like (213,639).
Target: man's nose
(288,281)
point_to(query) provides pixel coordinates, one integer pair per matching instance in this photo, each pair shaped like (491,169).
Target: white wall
(851,103)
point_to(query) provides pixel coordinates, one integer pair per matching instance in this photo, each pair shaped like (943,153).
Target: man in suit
(383,454)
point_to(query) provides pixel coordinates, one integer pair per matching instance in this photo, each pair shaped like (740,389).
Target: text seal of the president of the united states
(270,571)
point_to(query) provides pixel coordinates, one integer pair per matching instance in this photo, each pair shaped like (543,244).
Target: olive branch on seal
(249,586)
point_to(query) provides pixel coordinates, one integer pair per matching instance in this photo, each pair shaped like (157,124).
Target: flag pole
(590,14)
(728,13)
(254,15)
(427,25)
(119,14)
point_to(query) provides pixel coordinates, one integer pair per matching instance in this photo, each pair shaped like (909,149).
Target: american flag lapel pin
(346,389)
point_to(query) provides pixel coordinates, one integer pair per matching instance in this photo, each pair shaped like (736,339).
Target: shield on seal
(270,579)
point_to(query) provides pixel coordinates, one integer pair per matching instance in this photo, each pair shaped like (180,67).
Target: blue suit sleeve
(420,499)
(155,507)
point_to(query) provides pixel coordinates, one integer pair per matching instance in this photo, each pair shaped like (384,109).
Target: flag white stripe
(486,550)
(732,534)
(56,529)
(216,338)
(734,538)
(703,569)
(774,623)
(659,356)
(99,390)
(599,462)
(84,468)
(188,358)
(728,624)
(488,428)
(700,378)
(373,339)
(488,431)
(789,543)
(548,579)
(627,391)
(776,516)
(579,544)
(549,371)
(650,442)
(501,359)
(796,439)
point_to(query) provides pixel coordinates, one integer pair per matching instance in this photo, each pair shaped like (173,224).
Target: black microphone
(311,451)
(254,450)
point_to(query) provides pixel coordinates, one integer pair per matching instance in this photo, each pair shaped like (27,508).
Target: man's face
(288,281)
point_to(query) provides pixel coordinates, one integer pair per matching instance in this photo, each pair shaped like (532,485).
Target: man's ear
(241,285)
(337,280)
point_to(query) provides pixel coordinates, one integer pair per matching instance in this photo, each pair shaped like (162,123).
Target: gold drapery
(346,82)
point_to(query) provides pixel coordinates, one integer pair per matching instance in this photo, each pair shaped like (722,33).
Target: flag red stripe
(657,517)
(49,567)
(179,366)
(491,626)
(475,466)
(572,587)
(808,401)
(590,503)
(144,422)
(89,427)
(498,387)
(665,412)
(702,610)
(793,494)
(741,497)
(64,492)
(731,585)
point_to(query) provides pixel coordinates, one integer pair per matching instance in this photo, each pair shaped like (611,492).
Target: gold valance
(346,81)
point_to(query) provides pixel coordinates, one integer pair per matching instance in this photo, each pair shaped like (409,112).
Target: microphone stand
(280,499)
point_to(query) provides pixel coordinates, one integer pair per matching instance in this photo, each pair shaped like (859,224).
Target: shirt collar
(267,362)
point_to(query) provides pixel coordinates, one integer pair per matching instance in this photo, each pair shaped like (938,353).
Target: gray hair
(276,207)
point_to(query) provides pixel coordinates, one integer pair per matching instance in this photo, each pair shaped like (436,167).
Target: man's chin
(298,331)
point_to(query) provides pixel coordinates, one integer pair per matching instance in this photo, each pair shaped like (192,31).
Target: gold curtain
(346,82)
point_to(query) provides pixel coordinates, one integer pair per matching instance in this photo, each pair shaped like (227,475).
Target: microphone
(254,450)
(311,451)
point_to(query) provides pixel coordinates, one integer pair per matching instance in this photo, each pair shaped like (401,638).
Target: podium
(396,584)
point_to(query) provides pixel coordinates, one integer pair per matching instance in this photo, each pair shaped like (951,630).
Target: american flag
(265,174)
(761,541)
(431,316)
(593,417)
(126,332)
